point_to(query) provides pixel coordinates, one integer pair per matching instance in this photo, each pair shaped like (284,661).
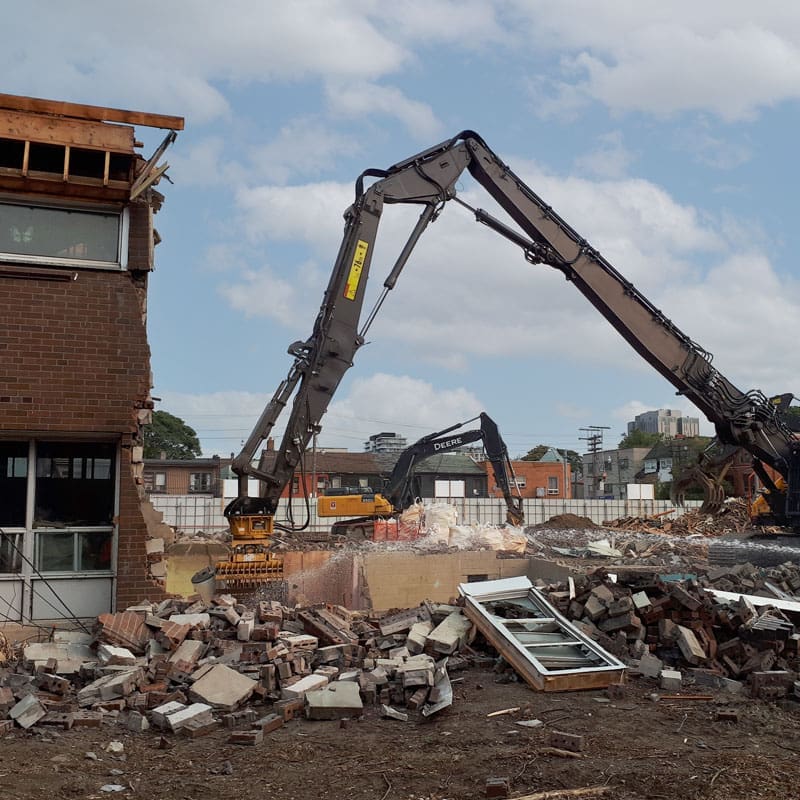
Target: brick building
(76,247)
(544,479)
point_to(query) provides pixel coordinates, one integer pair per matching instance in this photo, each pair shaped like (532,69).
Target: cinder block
(269,723)
(572,742)
(497,787)
(670,680)
(252,737)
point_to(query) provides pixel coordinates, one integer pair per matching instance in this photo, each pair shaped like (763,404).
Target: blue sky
(664,133)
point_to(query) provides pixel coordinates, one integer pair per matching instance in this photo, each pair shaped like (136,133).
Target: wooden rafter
(95,113)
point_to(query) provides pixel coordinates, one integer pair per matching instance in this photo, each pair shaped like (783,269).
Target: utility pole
(594,445)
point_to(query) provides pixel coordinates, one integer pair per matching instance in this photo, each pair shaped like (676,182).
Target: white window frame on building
(155,482)
(94,237)
(552,484)
(442,489)
(58,562)
(202,482)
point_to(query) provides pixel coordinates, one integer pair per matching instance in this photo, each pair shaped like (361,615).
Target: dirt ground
(636,747)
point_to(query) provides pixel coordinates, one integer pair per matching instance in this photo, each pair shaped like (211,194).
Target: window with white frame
(552,485)
(200,482)
(40,234)
(155,481)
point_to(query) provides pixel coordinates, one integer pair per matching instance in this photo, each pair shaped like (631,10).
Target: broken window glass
(74,484)
(13,483)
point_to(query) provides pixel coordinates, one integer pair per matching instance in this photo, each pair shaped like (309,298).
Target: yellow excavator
(366,508)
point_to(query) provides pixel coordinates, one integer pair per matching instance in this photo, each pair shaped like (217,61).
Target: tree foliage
(640,439)
(536,453)
(170,435)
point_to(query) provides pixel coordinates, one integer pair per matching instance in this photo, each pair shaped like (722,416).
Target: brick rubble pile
(182,666)
(664,623)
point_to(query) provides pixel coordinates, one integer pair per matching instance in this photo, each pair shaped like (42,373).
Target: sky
(664,133)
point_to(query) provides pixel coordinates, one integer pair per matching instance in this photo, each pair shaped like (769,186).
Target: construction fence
(190,514)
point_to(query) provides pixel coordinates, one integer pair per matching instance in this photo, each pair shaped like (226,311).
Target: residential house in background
(185,476)
(667,458)
(77,245)
(548,479)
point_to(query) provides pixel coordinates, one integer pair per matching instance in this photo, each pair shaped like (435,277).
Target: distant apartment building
(385,442)
(607,473)
(667,421)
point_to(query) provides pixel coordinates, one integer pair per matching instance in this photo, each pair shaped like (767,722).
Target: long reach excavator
(428,179)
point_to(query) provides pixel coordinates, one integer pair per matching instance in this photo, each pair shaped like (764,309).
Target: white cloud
(724,56)
(264,293)
(468,294)
(204,163)
(190,49)
(304,147)
(360,99)
(310,213)
(610,159)
(409,406)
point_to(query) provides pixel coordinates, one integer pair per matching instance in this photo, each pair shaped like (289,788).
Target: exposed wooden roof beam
(95,113)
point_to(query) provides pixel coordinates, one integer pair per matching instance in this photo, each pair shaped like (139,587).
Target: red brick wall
(74,359)
(536,474)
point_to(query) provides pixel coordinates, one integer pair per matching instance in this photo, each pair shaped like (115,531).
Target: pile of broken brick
(730,628)
(188,667)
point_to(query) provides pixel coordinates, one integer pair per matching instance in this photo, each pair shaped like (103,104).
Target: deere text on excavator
(428,179)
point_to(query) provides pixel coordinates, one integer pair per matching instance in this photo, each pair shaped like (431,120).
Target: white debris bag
(460,536)
(441,514)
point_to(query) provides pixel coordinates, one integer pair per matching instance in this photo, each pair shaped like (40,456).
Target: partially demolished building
(76,246)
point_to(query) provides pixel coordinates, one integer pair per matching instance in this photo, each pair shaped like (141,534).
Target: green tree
(640,439)
(171,435)
(536,453)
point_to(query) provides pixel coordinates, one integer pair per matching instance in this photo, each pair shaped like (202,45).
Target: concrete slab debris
(223,687)
(336,701)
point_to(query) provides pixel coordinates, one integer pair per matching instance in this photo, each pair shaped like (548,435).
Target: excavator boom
(428,179)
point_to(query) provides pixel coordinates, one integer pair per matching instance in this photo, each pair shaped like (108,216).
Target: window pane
(94,551)
(35,231)
(101,469)
(55,552)
(10,556)
(64,498)
(13,483)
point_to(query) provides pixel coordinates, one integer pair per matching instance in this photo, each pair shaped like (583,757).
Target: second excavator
(400,493)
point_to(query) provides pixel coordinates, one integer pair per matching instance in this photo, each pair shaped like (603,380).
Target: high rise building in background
(667,421)
(386,442)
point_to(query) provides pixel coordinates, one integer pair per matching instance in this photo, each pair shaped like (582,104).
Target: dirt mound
(566,521)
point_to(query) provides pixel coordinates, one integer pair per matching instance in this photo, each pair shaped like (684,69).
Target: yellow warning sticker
(354,278)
